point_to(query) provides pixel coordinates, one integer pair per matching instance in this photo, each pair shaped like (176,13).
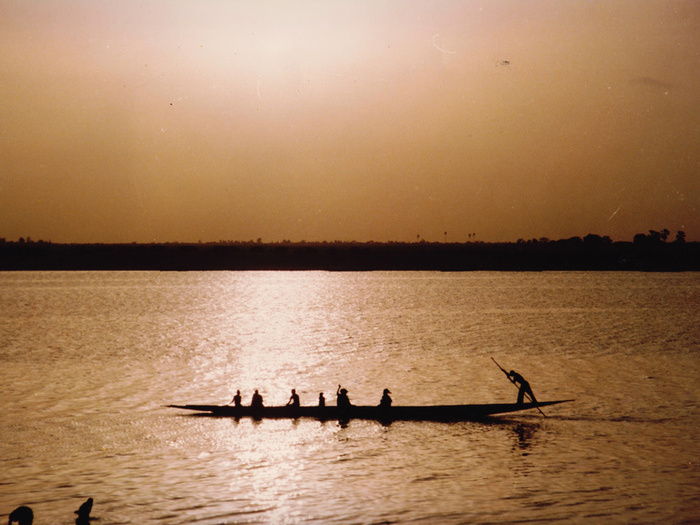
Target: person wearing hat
(386,400)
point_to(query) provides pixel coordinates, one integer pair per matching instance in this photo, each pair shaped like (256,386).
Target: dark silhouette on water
(342,399)
(372,412)
(22,515)
(523,387)
(84,513)
(344,410)
(294,399)
(257,401)
(386,400)
(236,399)
(25,516)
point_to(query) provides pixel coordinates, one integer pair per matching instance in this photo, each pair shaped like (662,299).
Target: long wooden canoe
(394,413)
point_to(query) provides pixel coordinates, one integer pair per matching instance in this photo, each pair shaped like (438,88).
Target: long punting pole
(516,386)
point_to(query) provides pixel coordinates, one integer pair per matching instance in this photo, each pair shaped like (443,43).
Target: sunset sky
(378,120)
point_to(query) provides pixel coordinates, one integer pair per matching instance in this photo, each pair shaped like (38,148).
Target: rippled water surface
(89,361)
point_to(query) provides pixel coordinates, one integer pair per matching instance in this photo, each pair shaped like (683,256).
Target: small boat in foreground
(393,413)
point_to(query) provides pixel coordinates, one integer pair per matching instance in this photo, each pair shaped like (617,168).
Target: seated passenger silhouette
(294,399)
(257,401)
(236,399)
(386,400)
(321,400)
(343,401)
(524,387)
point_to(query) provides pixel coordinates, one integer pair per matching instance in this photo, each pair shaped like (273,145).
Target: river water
(90,361)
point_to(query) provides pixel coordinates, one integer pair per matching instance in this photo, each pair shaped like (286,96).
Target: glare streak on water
(91,359)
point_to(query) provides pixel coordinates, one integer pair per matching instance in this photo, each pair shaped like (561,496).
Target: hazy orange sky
(357,120)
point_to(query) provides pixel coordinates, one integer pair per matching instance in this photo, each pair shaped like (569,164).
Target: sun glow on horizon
(383,121)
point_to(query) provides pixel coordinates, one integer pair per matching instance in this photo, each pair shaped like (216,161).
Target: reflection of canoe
(394,413)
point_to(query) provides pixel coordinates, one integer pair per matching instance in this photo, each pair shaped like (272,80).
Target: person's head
(238,392)
(22,515)
(294,391)
(511,373)
(343,391)
(256,390)
(386,391)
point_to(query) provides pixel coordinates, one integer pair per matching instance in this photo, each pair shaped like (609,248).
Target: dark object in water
(377,413)
(25,516)
(84,513)
(22,515)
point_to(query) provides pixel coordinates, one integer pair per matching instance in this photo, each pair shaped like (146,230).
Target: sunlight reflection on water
(90,360)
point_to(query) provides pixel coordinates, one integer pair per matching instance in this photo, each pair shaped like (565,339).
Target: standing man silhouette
(524,387)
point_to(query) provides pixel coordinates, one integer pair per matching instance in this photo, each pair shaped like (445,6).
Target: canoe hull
(394,413)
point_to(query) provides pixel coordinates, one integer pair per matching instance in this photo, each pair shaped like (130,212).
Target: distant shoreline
(564,255)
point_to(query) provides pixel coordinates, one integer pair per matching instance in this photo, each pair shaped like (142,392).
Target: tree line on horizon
(592,239)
